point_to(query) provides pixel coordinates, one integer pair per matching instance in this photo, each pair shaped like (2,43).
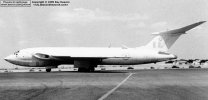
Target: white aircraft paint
(87,58)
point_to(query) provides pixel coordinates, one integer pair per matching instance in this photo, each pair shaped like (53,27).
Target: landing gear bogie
(48,69)
(86,69)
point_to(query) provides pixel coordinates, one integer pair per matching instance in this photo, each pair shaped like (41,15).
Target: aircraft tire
(92,69)
(48,69)
(83,70)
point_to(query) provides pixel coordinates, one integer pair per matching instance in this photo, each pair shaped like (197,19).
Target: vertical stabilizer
(164,40)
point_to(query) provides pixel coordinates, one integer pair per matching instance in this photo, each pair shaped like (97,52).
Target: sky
(100,23)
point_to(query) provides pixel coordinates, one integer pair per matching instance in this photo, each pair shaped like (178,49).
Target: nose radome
(6,59)
(9,58)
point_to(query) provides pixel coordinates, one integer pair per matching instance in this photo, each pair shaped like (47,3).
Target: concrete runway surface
(166,84)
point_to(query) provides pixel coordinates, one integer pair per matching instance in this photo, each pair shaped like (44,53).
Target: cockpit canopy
(16,53)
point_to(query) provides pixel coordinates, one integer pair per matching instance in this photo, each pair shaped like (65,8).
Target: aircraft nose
(10,58)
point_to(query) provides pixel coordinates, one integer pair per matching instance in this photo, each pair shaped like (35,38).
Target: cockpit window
(16,53)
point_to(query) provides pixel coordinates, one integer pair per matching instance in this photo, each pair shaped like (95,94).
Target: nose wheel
(48,69)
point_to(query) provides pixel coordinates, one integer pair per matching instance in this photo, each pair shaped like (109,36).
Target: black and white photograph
(103,50)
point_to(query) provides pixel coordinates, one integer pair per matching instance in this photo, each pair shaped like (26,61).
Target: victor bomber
(87,58)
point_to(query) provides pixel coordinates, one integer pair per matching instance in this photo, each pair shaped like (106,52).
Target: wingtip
(201,22)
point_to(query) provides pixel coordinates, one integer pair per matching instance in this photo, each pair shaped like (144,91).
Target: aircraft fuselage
(53,56)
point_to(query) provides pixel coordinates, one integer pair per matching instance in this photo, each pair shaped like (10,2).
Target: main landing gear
(91,69)
(48,69)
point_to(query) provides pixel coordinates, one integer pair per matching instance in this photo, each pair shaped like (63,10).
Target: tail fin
(164,40)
